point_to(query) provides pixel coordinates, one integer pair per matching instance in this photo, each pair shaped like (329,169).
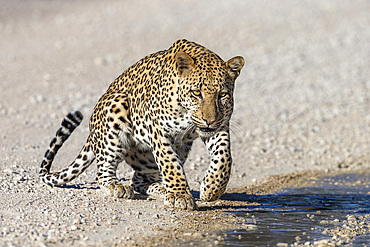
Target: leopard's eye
(196,93)
(223,94)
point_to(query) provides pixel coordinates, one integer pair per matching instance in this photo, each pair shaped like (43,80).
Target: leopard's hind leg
(109,154)
(108,181)
(110,127)
(147,179)
(149,184)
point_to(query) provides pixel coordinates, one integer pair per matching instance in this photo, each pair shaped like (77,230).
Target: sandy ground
(302,103)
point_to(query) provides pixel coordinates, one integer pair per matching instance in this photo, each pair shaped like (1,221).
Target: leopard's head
(206,89)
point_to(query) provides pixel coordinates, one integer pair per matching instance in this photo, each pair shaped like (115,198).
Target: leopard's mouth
(206,129)
(206,132)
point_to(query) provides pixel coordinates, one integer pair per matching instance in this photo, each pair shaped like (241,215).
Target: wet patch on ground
(332,210)
(295,209)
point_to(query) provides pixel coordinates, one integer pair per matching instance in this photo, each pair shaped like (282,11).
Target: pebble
(322,242)
(351,218)
(250,226)
(7,170)
(282,244)
(47,77)
(98,61)
(156,216)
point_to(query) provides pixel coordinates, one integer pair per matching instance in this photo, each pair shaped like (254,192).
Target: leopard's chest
(177,128)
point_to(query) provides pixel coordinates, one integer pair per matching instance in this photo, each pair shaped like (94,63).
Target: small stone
(40,98)
(250,226)
(282,244)
(351,218)
(40,244)
(98,61)
(47,77)
(192,166)
(20,178)
(323,242)
(7,170)
(156,216)
(73,227)
(5,230)
(77,221)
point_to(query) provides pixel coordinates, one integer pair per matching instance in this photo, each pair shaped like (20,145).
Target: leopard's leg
(109,155)
(109,183)
(178,193)
(147,179)
(110,126)
(218,173)
(149,184)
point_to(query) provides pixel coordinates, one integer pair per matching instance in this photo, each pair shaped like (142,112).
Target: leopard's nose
(208,122)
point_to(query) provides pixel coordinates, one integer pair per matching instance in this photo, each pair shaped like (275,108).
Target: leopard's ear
(184,63)
(234,65)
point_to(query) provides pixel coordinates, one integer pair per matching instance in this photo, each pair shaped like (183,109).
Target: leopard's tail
(83,160)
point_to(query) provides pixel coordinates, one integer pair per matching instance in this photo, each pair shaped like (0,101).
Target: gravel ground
(302,101)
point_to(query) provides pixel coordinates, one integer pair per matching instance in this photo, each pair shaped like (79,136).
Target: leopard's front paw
(118,190)
(210,193)
(180,201)
(208,196)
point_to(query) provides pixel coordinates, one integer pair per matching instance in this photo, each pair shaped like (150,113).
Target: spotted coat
(149,118)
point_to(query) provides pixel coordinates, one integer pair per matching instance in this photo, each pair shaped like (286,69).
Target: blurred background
(302,99)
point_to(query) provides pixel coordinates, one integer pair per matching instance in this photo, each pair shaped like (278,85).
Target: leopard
(149,118)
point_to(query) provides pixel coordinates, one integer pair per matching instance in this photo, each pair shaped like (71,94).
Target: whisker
(238,138)
(237,129)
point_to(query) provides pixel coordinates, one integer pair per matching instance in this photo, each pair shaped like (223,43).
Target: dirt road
(302,101)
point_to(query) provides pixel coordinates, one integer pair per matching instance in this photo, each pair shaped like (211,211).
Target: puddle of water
(304,212)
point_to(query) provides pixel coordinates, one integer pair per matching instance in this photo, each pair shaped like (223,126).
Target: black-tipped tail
(69,124)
